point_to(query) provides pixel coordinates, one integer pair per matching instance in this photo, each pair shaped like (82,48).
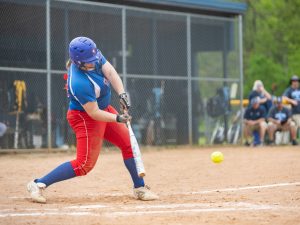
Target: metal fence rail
(171,63)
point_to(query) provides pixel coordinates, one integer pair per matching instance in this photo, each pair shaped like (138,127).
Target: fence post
(124,50)
(48,57)
(189,74)
(240,25)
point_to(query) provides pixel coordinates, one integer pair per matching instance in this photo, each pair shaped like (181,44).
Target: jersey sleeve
(81,88)
(103,60)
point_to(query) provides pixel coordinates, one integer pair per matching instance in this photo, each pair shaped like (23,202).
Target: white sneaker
(144,194)
(35,190)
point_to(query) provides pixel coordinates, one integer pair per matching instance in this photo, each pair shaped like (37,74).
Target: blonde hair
(256,84)
(68,64)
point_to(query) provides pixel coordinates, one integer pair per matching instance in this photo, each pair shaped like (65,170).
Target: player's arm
(289,100)
(259,120)
(289,120)
(249,122)
(95,113)
(270,119)
(111,74)
(263,100)
(287,97)
(267,94)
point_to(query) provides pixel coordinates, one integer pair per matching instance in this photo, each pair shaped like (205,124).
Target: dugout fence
(173,64)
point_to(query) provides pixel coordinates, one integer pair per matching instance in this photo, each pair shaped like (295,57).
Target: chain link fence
(180,70)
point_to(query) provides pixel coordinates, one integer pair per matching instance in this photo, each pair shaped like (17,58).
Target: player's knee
(82,168)
(271,127)
(127,152)
(263,125)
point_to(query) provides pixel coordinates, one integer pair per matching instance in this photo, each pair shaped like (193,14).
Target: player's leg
(293,131)
(262,131)
(271,131)
(118,134)
(247,134)
(89,136)
(296,118)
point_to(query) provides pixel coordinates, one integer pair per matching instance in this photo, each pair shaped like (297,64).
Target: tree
(271,42)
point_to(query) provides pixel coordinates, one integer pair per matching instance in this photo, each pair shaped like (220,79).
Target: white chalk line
(36,214)
(147,209)
(197,192)
(116,211)
(242,188)
(134,207)
(86,207)
(184,211)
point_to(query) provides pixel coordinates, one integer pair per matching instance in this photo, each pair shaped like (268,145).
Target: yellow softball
(217,157)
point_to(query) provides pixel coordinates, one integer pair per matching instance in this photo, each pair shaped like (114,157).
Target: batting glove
(124,118)
(124,102)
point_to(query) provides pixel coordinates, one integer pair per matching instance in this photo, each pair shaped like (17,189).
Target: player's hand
(250,122)
(263,100)
(124,102)
(294,102)
(123,118)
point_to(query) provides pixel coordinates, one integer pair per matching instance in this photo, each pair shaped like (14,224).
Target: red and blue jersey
(88,86)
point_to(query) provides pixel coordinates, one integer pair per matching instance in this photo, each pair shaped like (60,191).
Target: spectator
(259,91)
(254,119)
(292,96)
(280,118)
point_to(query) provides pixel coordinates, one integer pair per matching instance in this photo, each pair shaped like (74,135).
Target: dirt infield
(252,186)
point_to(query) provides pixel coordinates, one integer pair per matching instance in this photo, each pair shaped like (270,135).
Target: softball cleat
(144,194)
(36,191)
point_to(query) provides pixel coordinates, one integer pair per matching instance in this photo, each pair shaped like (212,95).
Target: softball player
(90,77)
(254,120)
(280,118)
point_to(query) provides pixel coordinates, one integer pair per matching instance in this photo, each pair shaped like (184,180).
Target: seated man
(254,119)
(279,118)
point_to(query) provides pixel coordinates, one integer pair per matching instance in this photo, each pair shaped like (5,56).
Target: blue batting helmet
(83,50)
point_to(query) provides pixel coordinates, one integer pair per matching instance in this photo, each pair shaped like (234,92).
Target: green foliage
(265,69)
(271,42)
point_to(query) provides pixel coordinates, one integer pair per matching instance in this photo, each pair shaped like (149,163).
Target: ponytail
(68,64)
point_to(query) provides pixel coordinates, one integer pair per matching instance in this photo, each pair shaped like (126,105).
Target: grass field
(251,186)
